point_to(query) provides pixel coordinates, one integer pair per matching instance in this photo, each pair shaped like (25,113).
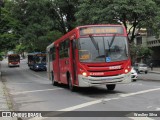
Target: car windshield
(14,58)
(103,49)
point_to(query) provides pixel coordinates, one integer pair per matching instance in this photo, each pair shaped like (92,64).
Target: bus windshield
(103,48)
(40,59)
(14,58)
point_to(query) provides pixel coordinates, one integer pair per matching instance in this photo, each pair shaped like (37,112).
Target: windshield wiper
(94,42)
(126,52)
(113,38)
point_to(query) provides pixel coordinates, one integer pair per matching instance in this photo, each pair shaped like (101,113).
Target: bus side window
(52,54)
(64,49)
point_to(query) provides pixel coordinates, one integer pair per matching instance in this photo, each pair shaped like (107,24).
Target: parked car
(134,74)
(141,67)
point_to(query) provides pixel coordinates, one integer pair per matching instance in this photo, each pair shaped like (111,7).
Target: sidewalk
(3,102)
(155,70)
(3,99)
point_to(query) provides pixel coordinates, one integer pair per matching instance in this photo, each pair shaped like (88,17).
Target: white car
(134,74)
(140,67)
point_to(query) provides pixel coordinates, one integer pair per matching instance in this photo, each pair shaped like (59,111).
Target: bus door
(55,64)
(64,61)
(73,59)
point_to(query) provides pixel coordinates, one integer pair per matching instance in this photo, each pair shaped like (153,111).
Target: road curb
(156,72)
(149,80)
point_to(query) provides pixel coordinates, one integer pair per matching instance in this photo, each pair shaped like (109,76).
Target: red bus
(13,60)
(90,55)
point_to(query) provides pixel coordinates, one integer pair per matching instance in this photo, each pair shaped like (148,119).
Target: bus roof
(74,32)
(34,53)
(116,25)
(13,54)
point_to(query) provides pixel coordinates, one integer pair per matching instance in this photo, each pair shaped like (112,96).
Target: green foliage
(31,25)
(144,52)
(20,48)
(1,58)
(1,55)
(66,9)
(139,13)
(90,12)
(139,51)
(8,24)
(36,23)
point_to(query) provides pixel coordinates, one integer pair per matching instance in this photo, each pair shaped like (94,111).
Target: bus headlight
(84,74)
(126,71)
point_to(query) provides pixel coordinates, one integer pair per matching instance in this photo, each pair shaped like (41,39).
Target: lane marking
(102,100)
(35,74)
(158,109)
(86,104)
(81,105)
(32,91)
(149,107)
(39,76)
(140,92)
(140,118)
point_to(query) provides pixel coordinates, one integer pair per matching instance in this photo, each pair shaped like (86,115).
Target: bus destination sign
(102,30)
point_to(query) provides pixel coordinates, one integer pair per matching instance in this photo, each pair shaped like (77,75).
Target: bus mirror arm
(74,44)
(72,37)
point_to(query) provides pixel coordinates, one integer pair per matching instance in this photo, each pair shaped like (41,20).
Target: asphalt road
(32,91)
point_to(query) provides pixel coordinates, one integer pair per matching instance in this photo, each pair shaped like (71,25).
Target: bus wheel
(71,87)
(111,87)
(53,81)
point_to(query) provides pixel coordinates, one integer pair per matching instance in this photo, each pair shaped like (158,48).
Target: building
(153,42)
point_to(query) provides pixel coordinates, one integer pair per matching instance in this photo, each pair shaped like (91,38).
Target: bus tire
(54,83)
(111,87)
(70,85)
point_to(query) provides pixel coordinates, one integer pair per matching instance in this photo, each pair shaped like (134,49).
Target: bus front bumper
(93,81)
(14,64)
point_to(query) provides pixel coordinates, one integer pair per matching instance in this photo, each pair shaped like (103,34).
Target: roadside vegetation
(31,25)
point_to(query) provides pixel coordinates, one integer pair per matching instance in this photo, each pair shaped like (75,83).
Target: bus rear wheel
(111,87)
(70,85)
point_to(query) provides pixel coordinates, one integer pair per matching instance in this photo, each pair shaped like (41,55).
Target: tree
(139,13)
(8,24)
(140,53)
(64,11)
(36,23)
(39,18)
